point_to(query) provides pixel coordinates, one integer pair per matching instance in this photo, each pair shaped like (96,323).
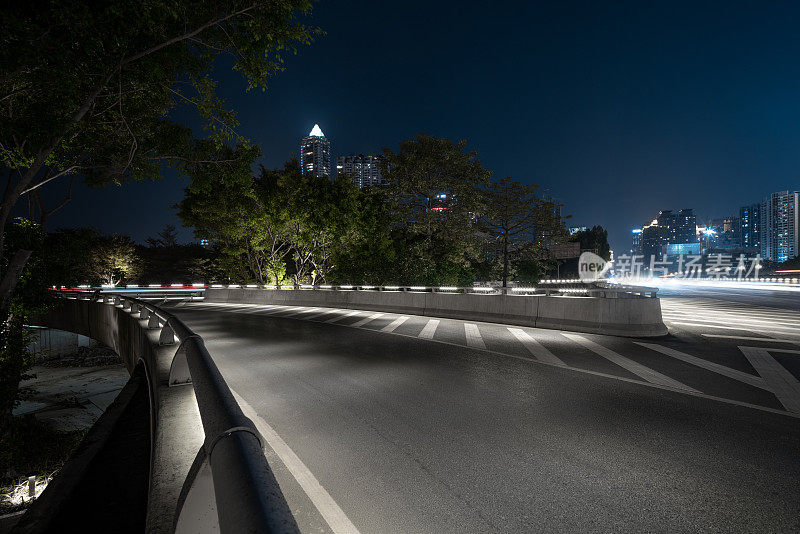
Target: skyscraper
(779,226)
(750,217)
(315,154)
(365,170)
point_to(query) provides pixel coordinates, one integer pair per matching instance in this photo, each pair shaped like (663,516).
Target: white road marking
(751,338)
(474,338)
(727,319)
(365,320)
(335,517)
(782,383)
(326,312)
(394,324)
(723,327)
(430,329)
(276,309)
(747,378)
(535,348)
(343,316)
(301,311)
(626,363)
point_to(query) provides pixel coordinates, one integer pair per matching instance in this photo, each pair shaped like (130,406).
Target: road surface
(391,423)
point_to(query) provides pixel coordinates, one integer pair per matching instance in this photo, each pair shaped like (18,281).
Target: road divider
(631,317)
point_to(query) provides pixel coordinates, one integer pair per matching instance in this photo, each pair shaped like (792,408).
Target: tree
(436,185)
(520,224)
(86,87)
(242,215)
(114,259)
(594,239)
(168,237)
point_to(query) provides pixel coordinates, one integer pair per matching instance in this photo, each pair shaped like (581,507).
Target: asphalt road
(388,423)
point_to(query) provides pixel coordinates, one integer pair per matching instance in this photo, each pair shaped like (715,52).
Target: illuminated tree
(114,259)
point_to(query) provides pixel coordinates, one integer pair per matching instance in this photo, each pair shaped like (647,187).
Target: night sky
(617,109)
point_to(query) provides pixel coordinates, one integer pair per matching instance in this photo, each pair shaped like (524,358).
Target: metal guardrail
(248,498)
(597,289)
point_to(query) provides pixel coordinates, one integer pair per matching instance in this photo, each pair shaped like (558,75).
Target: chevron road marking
(534,347)
(430,329)
(474,338)
(394,324)
(636,368)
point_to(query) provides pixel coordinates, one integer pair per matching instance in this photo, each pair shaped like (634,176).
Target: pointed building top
(316,132)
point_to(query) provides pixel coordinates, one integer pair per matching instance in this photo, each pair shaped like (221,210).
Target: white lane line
(343,316)
(534,347)
(474,338)
(365,320)
(751,338)
(391,327)
(326,312)
(626,363)
(335,517)
(430,329)
(783,384)
(747,378)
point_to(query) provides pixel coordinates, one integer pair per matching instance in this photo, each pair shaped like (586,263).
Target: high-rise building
(684,226)
(779,226)
(750,219)
(667,229)
(315,154)
(365,170)
(636,243)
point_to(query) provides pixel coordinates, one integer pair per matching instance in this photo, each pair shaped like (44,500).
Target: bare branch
(185,36)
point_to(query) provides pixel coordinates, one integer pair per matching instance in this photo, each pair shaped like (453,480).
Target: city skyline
(696,115)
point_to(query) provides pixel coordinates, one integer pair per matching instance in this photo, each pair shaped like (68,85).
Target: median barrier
(633,316)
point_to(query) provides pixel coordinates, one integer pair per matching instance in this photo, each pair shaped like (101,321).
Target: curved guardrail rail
(231,460)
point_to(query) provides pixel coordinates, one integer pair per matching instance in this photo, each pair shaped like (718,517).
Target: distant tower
(315,154)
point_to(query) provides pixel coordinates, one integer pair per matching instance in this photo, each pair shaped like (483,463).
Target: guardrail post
(197,504)
(167,336)
(179,368)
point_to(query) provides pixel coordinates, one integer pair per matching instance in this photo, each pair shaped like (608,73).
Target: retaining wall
(633,317)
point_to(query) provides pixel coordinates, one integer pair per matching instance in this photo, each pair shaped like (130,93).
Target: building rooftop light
(316,132)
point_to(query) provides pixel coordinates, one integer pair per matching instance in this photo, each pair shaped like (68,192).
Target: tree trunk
(505,261)
(11,278)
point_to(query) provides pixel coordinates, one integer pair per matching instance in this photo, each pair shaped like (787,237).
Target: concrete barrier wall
(634,317)
(176,429)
